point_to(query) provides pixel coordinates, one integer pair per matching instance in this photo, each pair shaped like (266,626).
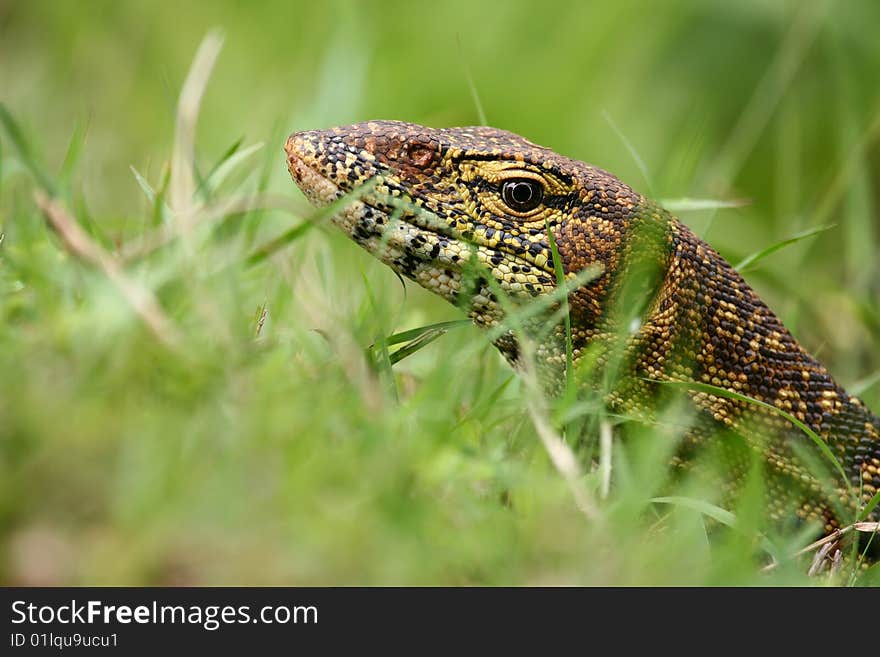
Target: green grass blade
(416,338)
(718,514)
(803,29)
(279,242)
(723,516)
(161,211)
(560,283)
(293,234)
(416,333)
(142,182)
(481,113)
(865,384)
(869,507)
(264,177)
(634,154)
(382,357)
(25,154)
(415,345)
(686,204)
(183,160)
(74,151)
(229,152)
(749,262)
(225,167)
(729,394)
(515,316)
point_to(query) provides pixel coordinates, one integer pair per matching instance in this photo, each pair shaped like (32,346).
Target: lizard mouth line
(363,218)
(408,242)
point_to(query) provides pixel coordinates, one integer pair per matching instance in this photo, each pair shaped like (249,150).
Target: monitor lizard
(438,199)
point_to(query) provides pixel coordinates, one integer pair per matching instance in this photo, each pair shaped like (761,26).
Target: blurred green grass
(284,458)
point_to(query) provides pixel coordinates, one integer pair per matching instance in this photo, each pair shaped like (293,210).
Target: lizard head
(435,198)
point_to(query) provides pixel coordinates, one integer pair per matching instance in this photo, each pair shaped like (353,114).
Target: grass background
(285,458)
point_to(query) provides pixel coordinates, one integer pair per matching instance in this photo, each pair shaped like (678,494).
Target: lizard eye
(522,194)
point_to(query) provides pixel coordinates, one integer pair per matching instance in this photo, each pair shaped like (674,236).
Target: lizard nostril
(420,156)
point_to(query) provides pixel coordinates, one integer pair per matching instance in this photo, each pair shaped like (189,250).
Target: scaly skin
(687,316)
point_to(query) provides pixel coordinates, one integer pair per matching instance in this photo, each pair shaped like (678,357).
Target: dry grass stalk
(86,249)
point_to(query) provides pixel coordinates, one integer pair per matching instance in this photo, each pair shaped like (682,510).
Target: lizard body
(441,198)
